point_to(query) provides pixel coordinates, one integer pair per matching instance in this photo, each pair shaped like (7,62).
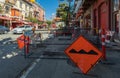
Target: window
(25,7)
(7,8)
(27,27)
(116,5)
(20,4)
(25,14)
(20,26)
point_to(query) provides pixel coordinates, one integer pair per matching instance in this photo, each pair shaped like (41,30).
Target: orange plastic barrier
(22,41)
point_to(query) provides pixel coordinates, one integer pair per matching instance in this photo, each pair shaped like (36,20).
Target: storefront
(16,19)
(87,18)
(5,21)
(116,16)
(101,16)
(79,18)
(16,23)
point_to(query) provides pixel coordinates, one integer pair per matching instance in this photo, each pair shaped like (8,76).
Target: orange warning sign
(83,54)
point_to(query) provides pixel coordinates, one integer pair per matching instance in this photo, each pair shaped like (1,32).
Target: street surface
(48,60)
(12,61)
(11,58)
(53,63)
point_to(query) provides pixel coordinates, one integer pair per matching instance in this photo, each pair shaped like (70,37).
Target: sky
(49,6)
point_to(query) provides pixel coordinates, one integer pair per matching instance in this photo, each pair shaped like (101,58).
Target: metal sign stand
(91,75)
(24,47)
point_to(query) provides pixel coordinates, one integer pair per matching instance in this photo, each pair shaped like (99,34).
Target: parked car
(21,29)
(3,29)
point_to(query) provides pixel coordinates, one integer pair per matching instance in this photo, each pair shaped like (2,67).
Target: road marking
(30,68)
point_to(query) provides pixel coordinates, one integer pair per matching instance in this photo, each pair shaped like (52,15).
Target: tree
(65,11)
(48,22)
(1,10)
(62,11)
(32,19)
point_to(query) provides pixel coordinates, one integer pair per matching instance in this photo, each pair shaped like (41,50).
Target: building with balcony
(17,12)
(5,13)
(39,12)
(20,12)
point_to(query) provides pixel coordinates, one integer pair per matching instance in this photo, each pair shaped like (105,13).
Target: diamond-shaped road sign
(83,54)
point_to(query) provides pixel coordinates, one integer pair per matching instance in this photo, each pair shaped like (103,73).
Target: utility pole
(68,13)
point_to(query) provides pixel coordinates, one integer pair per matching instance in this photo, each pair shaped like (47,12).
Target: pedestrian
(33,29)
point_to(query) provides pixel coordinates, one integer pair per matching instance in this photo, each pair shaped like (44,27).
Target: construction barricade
(26,40)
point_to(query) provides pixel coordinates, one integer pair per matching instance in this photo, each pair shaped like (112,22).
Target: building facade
(18,12)
(5,13)
(95,14)
(99,15)
(39,12)
(115,16)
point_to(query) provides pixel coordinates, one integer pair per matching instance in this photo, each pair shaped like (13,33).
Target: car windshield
(27,27)
(20,27)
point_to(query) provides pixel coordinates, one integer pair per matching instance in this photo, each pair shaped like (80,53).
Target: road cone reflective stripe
(103,45)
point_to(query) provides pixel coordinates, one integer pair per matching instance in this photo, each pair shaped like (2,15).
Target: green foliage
(39,22)
(32,19)
(1,10)
(62,11)
(48,22)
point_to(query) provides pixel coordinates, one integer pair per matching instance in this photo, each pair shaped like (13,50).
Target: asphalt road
(49,61)
(12,61)
(51,66)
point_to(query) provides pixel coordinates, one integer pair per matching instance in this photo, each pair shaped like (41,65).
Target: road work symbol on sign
(91,52)
(83,54)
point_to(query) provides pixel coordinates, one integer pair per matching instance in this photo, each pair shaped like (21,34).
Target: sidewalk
(63,68)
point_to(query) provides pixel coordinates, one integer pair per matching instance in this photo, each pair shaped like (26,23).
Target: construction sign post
(23,42)
(83,54)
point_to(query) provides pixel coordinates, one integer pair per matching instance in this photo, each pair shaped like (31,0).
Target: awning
(44,24)
(5,18)
(29,23)
(17,21)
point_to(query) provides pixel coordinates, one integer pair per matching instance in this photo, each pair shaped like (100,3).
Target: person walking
(33,29)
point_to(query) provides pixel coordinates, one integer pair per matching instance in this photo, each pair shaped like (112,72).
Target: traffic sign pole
(27,45)
(24,46)
(73,34)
